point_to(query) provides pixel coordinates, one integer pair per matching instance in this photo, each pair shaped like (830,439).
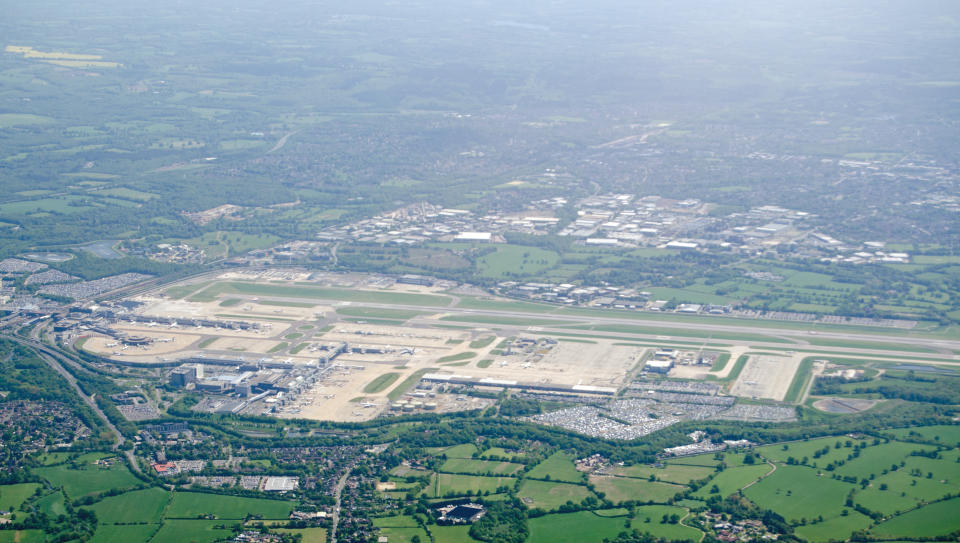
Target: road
(336,508)
(53,358)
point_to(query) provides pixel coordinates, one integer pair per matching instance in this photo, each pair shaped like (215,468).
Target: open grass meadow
(132,507)
(120,533)
(22,536)
(620,489)
(307,535)
(381,382)
(834,528)
(212,292)
(450,534)
(731,480)
(931,520)
(87,479)
(558,467)
(480,467)
(874,459)
(190,505)
(444,484)
(649,519)
(11,496)
(195,531)
(944,434)
(574,527)
(821,451)
(670,473)
(797,492)
(549,495)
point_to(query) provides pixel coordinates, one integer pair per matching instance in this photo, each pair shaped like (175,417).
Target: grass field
(89,479)
(110,533)
(206,342)
(52,504)
(549,495)
(407,383)
(448,483)
(211,293)
(138,506)
(450,534)
(457,357)
(379,312)
(465,450)
(558,467)
(808,449)
(797,492)
(182,291)
(11,496)
(22,536)
(834,528)
(874,459)
(947,435)
(731,480)
(190,505)
(671,473)
(574,527)
(381,383)
(482,342)
(929,521)
(800,380)
(195,531)
(648,519)
(619,489)
(466,465)
(514,260)
(307,535)
(900,491)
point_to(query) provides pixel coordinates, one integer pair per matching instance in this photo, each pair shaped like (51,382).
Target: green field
(648,519)
(824,448)
(874,460)
(88,479)
(516,261)
(457,357)
(834,528)
(900,491)
(929,521)
(731,480)
(190,505)
(574,527)
(797,492)
(22,536)
(947,435)
(620,489)
(195,531)
(11,496)
(465,465)
(215,290)
(52,504)
(558,467)
(549,495)
(450,534)
(379,312)
(465,450)
(800,380)
(132,507)
(307,535)
(381,383)
(671,473)
(443,484)
(111,533)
